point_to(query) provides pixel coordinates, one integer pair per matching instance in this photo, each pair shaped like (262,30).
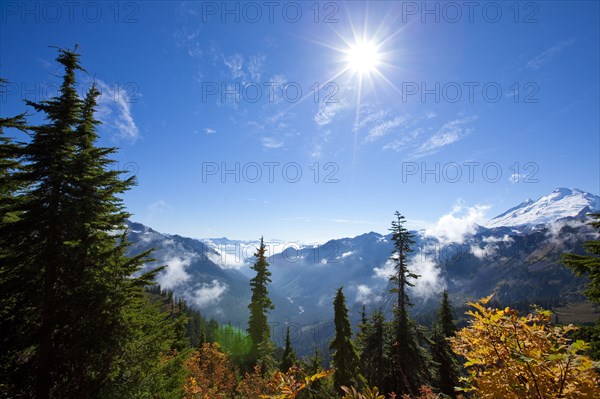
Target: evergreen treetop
(288,358)
(260,303)
(345,355)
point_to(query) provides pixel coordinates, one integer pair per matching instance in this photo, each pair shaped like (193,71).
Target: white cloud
(549,54)
(459,223)
(372,117)
(209,293)
(316,151)
(386,271)
(188,39)
(271,143)
(274,91)
(449,133)
(255,67)
(581,230)
(402,142)
(429,282)
(235,63)
(227,260)
(114,111)
(232,256)
(328,111)
(490,246)
(365,295)
(385,127)
(516,177)
(209,130)
(175,273)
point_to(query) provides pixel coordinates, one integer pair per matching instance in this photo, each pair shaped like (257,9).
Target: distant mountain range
(516,254)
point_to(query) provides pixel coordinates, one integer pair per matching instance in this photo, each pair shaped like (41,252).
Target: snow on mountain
(561,203)
(239,254)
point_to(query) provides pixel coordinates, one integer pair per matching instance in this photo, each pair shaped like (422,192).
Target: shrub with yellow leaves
(210,374)
(511,356)
(288,385)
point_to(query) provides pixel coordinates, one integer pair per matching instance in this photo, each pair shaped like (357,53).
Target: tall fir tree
(260,305)
(446,316)
(409,364)
(36,251)
(361,336)
(64,269)
(345,356)
(14,333)
(316,363)
(447,367)
(589,266)
(288,359)
(373,356)
(265,358)
(10,153)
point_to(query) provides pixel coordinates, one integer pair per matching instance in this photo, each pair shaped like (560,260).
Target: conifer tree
(589,265)
(345,355)
(72,297)
(446,363)
(409,364)
(446,316)
(319,388)
(149,358)
(10,153)
(364,322)
(315,364)
(36,253)
(14,334)
(260,305)
(372,356)
(288,358)
(265,358)
(363,330)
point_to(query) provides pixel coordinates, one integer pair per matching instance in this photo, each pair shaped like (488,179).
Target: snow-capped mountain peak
(561,203)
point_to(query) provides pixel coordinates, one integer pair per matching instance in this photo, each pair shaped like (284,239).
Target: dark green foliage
(446,316)
(260,305)
(14,334)
(447,367)
(10,153)
(374,359)
(589,265)
(233,341)
(149,362)
(265,358)
(288,359)
(198,330)
(72,314)
(321,388)
(344,354)
(409,365)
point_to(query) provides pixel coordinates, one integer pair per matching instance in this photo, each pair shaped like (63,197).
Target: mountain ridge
(517,264)
(559,204)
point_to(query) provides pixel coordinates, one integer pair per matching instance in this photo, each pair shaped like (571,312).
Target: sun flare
(363,57)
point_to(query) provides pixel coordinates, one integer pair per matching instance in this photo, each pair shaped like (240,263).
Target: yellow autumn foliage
(211,375)
(511,356)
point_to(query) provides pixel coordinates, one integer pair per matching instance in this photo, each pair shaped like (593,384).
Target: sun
(362,57)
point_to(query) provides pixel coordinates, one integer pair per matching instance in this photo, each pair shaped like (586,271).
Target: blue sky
(306,121)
